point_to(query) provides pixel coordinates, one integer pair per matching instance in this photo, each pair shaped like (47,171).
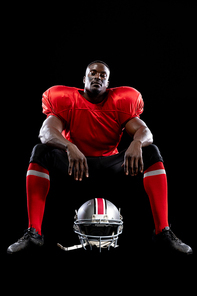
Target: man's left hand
(133,161)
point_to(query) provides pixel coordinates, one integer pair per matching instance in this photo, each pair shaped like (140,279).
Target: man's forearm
(51,136)
(133,160)
(144,135)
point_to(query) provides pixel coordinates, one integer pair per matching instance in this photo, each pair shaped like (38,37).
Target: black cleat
(30,237)
(167,240)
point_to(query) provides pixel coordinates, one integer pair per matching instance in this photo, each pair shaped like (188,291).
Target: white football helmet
(98,223)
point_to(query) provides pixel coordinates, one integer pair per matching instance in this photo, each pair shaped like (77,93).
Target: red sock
(37,184)
(155,185)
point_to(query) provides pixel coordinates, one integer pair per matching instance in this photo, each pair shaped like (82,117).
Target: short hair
(98,61)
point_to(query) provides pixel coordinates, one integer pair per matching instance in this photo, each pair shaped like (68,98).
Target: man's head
(96,79)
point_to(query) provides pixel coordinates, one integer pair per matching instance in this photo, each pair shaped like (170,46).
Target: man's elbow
(150,141)
(149,137)
(44,135)
(41,137)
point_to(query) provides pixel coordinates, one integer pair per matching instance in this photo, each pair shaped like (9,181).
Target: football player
(80,137)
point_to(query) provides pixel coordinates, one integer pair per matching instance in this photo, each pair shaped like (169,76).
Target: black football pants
(56,159)
(105,172)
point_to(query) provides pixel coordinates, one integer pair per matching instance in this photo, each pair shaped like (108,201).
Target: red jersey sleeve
(57,101)
(129,104)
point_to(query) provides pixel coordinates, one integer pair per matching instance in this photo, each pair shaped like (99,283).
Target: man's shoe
(30,237)
(167,240)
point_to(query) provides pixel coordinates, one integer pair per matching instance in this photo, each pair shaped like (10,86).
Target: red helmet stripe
(100,206)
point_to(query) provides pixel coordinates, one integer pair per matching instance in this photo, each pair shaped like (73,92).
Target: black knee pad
(151,155)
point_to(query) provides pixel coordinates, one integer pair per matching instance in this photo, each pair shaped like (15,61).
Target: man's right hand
(78,161)
(51,134)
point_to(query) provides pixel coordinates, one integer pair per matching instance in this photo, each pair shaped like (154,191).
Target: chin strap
(70,248)
(92,243)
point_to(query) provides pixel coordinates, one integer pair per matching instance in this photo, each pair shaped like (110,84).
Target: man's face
(96,79)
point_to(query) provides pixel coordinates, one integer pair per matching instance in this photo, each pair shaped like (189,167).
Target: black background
(149,45)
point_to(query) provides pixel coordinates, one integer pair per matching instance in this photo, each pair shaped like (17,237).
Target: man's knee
(38,154)
(151,155)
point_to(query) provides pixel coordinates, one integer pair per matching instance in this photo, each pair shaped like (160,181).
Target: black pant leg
(56,162)
(151,155)
(50,157)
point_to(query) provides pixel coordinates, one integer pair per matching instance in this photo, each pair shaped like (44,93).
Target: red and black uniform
(96,129)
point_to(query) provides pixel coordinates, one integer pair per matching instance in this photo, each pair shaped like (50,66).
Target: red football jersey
(96,129)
